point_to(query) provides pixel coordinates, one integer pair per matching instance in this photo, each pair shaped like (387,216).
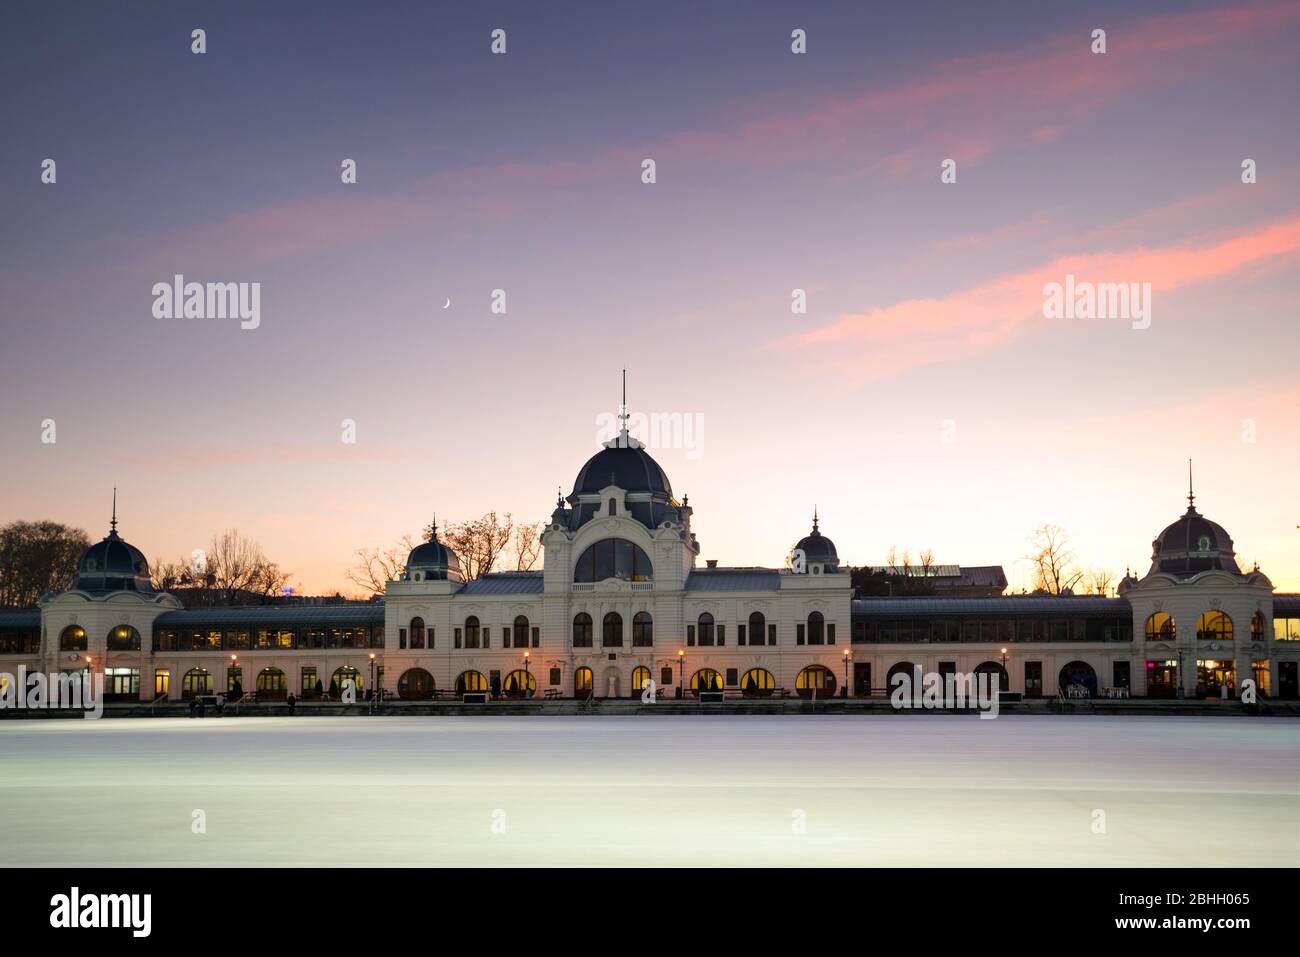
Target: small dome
(817,548)
(434,561)
(113,564)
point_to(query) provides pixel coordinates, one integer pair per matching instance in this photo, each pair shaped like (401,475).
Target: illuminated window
(121,683)
(1161,627)
(271,683)
(124,638)
(341,675)
(1214,626)
(640,677)
(815,679)
(1286,629)
(518,682)
(162,682)
(583,682)
(196,681)
(470,682)
(757,683)
(706,679)
(582,630)
(72,638)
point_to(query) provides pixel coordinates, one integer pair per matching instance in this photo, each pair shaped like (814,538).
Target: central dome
(626,464)
(1191,545)
(112,564)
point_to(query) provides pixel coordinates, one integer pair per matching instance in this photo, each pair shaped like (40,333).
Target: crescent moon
(447,305)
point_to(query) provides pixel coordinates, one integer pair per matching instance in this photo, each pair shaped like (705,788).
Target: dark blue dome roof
(816,547)
(1191,545)
(628,466)
(434,560)
(112,565)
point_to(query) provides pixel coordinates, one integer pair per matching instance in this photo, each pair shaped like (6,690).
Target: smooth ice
(637,790)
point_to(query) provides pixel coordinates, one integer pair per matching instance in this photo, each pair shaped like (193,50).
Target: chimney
(711,562)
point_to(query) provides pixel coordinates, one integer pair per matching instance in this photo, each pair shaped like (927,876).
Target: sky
(923,400)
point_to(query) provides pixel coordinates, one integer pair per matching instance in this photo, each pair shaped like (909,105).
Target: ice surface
(719,790)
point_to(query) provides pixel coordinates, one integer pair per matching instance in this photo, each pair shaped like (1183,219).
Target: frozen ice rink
(914,790)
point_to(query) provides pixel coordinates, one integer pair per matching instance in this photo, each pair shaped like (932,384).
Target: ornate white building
(622,601)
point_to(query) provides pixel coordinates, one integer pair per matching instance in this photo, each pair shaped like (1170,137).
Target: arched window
(1161,627)
(582,630)
(417,632)
(196,681)
(611,630)
(640,678)
(1257,627)
(704,629)
(757,629)
(520,684)
(415,684)
(613,558)
(1078,679)
(341,675)
(471,681)
(72,638)
(1214,626)
(815,679)
(123,638)
(757,682)
(706,679)
(271,683)
(521,631)
(642,630)
(583,682)
(471,632)
(613,506)
(816,629)
(995,668)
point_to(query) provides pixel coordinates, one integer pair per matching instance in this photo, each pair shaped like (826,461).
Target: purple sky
(775,172)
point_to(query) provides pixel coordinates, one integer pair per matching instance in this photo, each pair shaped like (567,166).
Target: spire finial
(113,524)
(1191,495)
(622,415)
(433,528)
(815,531)
(559,497)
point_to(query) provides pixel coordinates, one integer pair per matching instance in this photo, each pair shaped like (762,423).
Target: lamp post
(1004,674)
(847,655)
(528,676)
(234,666)
(374,692)
(681,671)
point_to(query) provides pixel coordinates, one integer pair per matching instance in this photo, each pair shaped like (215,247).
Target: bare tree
(1053,558)
(528,546)
(926,559)
(35,558)
(479,542)
(376,567)
(1098,581)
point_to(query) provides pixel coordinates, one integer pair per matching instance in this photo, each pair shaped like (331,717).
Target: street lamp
(374,692)
(681,671)
(528,676)
(847,655)
(1004,677)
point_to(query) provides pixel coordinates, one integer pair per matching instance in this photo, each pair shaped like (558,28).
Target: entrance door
(862,678)
(1288,679)
(1033,679)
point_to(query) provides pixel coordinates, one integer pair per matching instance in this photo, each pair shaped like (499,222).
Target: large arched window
(471,681)
(611,630)
(757,683)
(415,684)
(123,638)
(995,668)
(1161,627)
(642,630)
(640,678)
(757,629)
(613,558)
(471,632)
(520,683)
(706,679)
(343,674)
(816,629)
(521,631)
(1214,626)
(72,638)
(704,629)
(582,630)
(196,681)
(1078,679)
(815,679)
(271,683)
(583,682)
(417,632)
